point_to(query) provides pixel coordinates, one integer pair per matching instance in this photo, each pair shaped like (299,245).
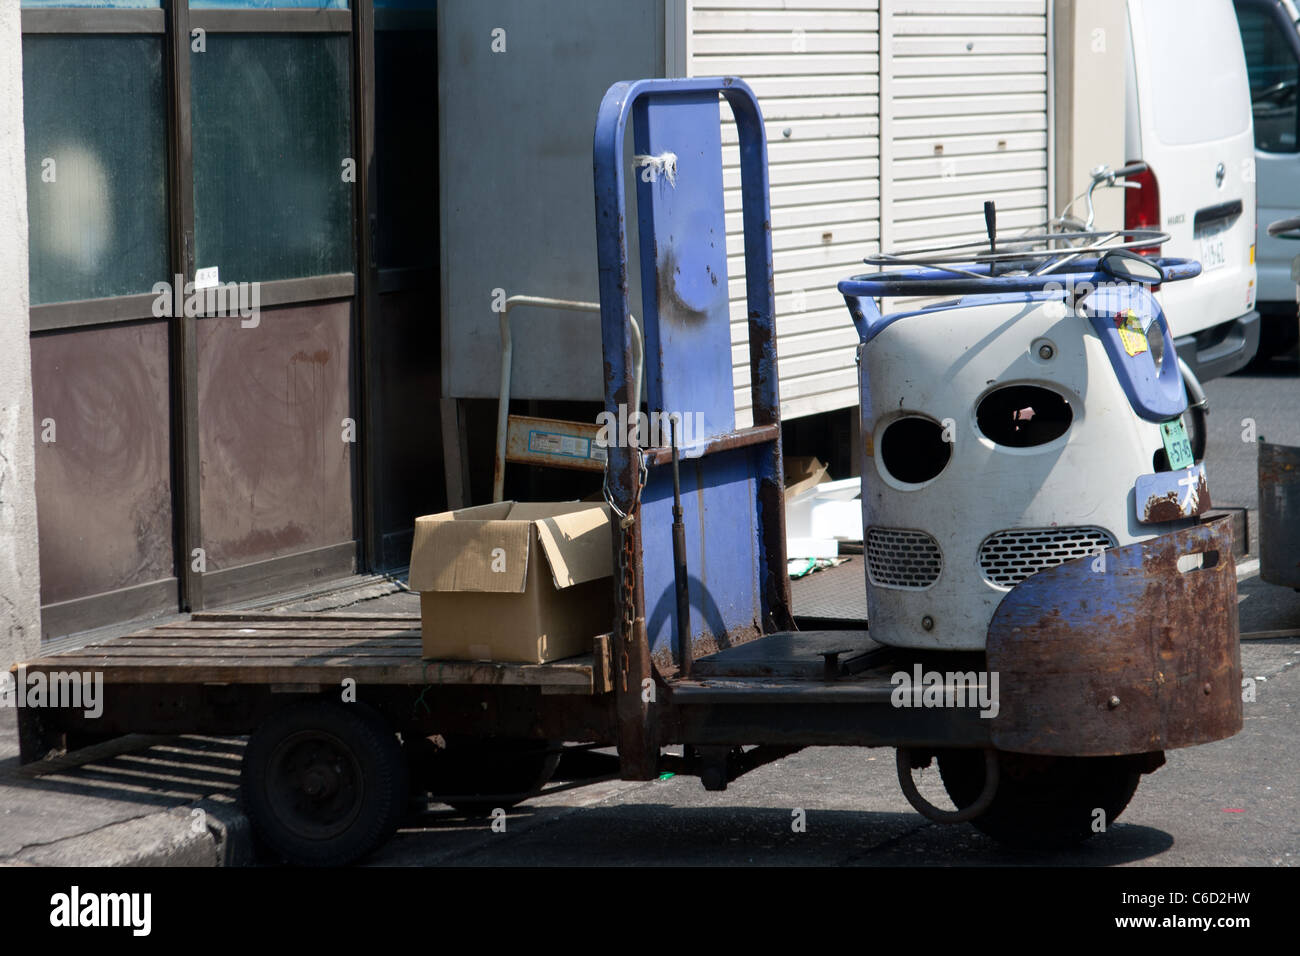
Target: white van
(1272,45)
(1188,117)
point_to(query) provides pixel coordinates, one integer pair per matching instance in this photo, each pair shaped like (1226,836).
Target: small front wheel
(1042,802)
(324,783)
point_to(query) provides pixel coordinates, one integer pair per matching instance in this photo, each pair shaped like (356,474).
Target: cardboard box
(802,473)
(514,581)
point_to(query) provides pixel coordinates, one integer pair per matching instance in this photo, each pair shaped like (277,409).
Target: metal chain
(626,561)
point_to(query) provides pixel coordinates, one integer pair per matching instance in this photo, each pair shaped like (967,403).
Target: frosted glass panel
(96,165)
(273,176)
(268,4)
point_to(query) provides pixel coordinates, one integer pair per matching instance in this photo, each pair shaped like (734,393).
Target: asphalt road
(1235,802)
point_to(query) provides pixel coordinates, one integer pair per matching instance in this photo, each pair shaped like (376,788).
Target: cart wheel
(324,783)
(1041,802)
(477,775)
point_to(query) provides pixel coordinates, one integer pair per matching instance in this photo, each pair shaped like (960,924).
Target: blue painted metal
(732,479)
(929,281)
(684,247)
(1156,394)
(719,508)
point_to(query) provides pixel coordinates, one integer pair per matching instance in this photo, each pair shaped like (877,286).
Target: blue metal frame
(1156,394)
(731,478)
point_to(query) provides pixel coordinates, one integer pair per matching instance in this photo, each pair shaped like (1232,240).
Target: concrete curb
(212,832)
(167,838)
(231,831)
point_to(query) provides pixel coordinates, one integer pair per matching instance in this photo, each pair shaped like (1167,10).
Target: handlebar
(978,280)
(1101,176)
(1132,169)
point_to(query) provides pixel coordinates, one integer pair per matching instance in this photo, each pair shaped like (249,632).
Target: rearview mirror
(1130,267)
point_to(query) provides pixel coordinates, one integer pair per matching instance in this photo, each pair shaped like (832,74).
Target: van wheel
(1041,802)
(1278,334)
(324,783)
(478,775)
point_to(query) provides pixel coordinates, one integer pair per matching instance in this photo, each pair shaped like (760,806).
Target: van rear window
(1190,53)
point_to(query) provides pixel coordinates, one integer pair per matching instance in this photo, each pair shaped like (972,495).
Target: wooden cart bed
(236,647)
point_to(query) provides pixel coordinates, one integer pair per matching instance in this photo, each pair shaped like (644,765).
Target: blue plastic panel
(1155,394)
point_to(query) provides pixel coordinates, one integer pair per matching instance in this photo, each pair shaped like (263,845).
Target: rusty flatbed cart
(703,652)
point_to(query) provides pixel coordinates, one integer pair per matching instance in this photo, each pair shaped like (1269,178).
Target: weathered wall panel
(276,472)
(103,458)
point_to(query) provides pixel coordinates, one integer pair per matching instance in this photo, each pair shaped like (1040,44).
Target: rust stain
(671,306)
(1168,507)
(319,357)
(1151,665)
(1163,509)
(270,541)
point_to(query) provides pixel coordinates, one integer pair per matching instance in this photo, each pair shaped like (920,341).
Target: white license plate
(1213,254)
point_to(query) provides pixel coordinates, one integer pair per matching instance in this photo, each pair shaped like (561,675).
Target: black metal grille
(899,558)
(1008,557)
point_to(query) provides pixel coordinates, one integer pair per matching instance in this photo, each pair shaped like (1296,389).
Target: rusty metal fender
(1279,514)
(1124,655)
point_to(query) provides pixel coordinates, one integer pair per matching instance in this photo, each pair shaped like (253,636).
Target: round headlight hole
(913,450)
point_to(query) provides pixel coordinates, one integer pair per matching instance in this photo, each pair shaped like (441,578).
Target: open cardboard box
(524,582)
(802,473)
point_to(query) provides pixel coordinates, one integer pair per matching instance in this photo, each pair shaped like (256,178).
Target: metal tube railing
(507,366)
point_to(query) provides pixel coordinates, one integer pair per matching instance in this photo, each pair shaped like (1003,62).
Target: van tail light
(1142,207)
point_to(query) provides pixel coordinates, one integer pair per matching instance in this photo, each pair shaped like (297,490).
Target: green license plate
(1177,447)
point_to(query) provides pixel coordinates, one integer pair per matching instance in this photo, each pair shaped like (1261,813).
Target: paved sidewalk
(148,801)
(134,801)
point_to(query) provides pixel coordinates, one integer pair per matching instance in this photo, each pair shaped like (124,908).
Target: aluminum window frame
(174,21)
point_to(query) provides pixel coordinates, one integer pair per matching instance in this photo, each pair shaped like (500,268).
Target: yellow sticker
(1130,332)
(1134,342)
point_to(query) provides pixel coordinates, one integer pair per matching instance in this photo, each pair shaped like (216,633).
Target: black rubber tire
(324,783)
(504,771)
(1197,431)
(1278,334)
(1041,802)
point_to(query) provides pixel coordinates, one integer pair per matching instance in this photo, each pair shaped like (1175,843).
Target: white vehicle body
(943,552)
(1188,117)
(1271,39)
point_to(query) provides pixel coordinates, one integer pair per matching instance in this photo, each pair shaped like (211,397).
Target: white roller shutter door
(815,67)
(964,119)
